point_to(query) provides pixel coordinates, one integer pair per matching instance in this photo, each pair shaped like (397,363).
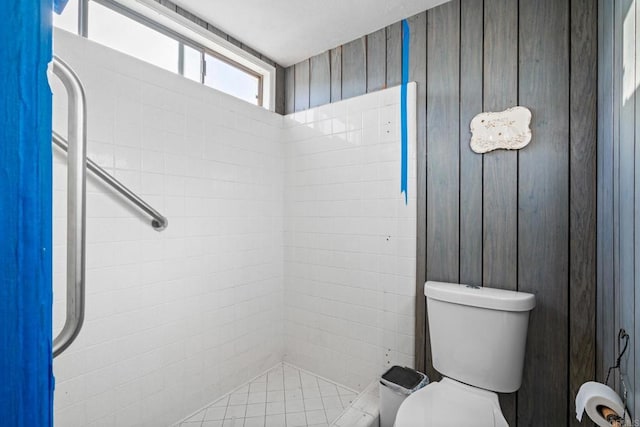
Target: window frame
(188,33)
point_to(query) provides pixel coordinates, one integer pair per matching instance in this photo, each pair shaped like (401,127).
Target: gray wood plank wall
(543,207)
(582,189)
(618,243)
(626,18)
(521,220)
(418,73)
(605,235)
(500,168)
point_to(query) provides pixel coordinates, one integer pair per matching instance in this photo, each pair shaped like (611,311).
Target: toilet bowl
(450,403)
(478,338)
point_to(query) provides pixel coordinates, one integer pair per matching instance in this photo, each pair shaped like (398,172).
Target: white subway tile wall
(288,239)
(350,239)
(177,318)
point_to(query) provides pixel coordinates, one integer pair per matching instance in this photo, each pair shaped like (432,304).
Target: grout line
(228,395)
(226,408)
(304,407)
(320,377)
(266,385)
(284,392)
(281,366)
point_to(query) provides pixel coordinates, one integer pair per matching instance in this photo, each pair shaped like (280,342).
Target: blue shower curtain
(26,381)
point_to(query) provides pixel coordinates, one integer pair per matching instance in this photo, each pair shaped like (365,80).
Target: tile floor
(364,411)
(283,397)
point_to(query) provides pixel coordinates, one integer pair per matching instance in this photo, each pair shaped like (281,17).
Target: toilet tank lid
(476,296)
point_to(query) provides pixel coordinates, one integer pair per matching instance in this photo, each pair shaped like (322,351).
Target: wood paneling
(168,4)
(188,15)
(319,80)
(301,78)
(582,217)
(289,92)
(619,194)
(626,176)
(605,225)
(500,179)
(336,73)
(217,31)
(471,72)
(376,60)
(394,55)
(617,85)
(518,220)
(500,167)
(543,229)
(418,74)
(354,68)
(443,147)
(253,52)
(234,41)
(268,61)
(280,89)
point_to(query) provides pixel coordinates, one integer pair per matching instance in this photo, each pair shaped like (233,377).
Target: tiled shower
(283,396)
(288,242)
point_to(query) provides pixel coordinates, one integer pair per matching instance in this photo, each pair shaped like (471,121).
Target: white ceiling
(289,31)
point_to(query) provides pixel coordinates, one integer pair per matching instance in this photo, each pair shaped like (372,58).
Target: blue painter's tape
(403,111)
(26,380)
(59,5)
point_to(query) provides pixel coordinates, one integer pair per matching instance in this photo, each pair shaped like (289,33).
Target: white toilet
(478,338)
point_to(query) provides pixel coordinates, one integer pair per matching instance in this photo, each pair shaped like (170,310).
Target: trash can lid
(404,377)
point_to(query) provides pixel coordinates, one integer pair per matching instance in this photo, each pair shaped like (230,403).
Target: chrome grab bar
(158,221)
(76,206)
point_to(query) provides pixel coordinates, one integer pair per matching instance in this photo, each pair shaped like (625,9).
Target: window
(159,36)
(122,33)
(220,74)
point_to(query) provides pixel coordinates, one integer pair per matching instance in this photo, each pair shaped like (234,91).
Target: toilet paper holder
(622,335)
(603,404)
(608,414)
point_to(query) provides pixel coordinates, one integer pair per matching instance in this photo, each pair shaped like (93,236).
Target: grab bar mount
(158,221)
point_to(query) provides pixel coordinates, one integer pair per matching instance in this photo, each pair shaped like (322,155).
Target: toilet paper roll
(593,395)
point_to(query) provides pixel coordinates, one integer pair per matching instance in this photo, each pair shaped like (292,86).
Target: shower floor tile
(285,396)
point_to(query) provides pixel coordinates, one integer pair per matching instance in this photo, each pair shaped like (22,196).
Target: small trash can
(395,385)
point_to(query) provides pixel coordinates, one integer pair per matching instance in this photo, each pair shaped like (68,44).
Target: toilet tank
(478,334)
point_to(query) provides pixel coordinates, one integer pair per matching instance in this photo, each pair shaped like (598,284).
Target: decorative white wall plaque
(508,129)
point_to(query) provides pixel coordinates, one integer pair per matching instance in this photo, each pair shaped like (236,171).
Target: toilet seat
(449,403)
